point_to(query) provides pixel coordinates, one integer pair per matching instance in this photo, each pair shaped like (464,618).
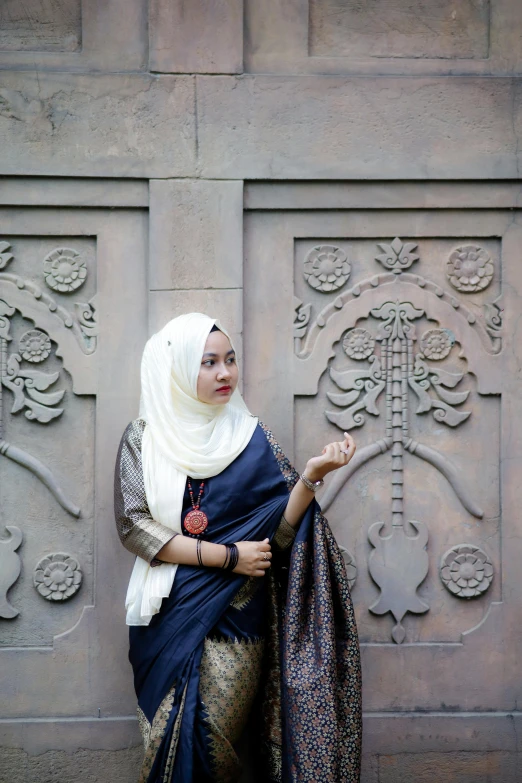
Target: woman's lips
(224,389)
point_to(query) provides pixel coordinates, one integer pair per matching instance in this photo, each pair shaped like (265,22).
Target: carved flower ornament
(64,270)
(58,577)
(470,268)
(326,268)
(35,346)
(466,571)
(358,344)
(436,344)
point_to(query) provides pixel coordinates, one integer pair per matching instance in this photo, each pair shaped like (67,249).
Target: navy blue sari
(301,611)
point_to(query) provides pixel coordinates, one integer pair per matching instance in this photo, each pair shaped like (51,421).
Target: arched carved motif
(397,373)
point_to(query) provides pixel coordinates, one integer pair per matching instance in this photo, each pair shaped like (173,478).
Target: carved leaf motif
(354,382)
(5,256)
(41,414)
(34,379)
(5,312)
(397,256)
(46,399)
(302,315)
(443,408)
(32,382)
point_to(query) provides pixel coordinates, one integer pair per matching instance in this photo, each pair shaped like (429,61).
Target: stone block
(96,125)
(196,234)
(400,28)
(227,305)
(40,25)
(331,127)
(196,37)
(450,767)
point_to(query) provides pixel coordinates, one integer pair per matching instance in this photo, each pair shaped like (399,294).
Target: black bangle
(233,557)
(227,557)
(198,551)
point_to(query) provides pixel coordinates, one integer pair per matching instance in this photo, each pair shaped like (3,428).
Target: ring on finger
(345,451)
(266,556)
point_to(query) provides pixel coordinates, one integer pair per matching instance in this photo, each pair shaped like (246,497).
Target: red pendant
(195,522)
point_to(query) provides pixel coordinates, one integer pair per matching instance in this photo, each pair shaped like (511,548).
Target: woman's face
(218,373)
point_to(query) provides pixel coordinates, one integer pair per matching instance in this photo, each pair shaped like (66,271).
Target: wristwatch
(313,486)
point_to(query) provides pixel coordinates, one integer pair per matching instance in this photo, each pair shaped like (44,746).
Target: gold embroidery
(169,767)
(285,535)
(154,735)
(229,678)
(144,725)
(245,593)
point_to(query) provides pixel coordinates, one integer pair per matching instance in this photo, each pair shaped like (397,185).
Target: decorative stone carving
(58,577)
(397,256)
(358,344)
(326,268)
(470,268)
(436,344)
(493,317)
(35,346)
(302,313)
(28,388)
(350,565)
(86,315)
(466,571)
(5,256)
(9,569)
(64,270)
(399,562)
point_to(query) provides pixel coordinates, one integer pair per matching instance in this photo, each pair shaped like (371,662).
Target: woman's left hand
(333,456)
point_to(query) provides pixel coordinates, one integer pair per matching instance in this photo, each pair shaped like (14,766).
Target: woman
(238,603)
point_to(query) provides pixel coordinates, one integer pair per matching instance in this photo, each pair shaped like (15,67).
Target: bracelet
(227,557)
(198,552)
(313,486)
(232,557)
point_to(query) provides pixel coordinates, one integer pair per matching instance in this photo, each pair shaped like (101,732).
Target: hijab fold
(183,437)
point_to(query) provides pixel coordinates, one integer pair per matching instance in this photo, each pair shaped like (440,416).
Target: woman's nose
(224,373)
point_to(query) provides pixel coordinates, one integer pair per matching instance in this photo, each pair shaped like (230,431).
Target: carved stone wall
(339,182)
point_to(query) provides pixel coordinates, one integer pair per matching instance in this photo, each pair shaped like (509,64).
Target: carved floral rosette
(326,268)
(64,270)
(466,571)
(58,577)
(470,268)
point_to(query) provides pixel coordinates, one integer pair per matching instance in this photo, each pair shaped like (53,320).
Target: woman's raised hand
(254,557)
(333,456)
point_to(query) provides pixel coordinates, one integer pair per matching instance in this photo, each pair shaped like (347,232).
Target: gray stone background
(194,156)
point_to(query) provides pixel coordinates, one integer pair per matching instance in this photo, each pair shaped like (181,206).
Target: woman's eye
(208,363)
(231,360)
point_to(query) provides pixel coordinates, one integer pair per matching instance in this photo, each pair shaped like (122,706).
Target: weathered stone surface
(450,767)
(40,25)
(227,305)
(88,766)
(95,125)
(311,127)
(54,35)
(196,37)
(400,28)
(396,37)
(196,238)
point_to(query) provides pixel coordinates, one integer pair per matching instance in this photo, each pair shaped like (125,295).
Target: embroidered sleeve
(285,535)
(138,531)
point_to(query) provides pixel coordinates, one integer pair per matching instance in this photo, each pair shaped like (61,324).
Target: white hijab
(183,437)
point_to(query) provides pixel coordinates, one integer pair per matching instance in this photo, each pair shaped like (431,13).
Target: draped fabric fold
(293,631)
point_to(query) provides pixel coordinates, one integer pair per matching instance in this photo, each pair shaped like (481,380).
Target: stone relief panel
(40,25)
(48,336)
(399,28)
(400,358)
